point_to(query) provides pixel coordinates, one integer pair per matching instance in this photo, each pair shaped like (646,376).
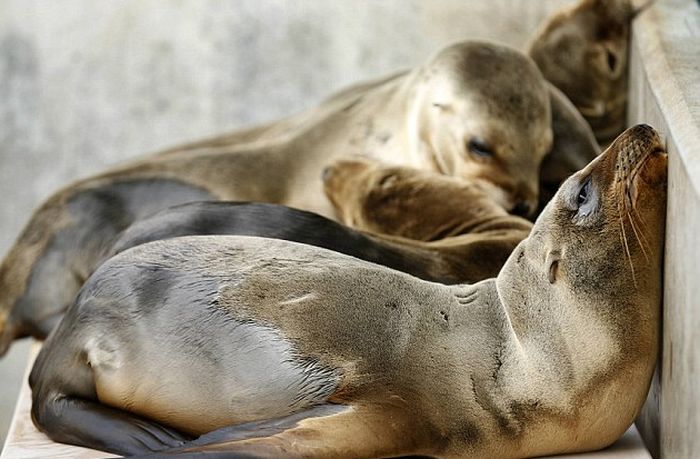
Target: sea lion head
(591,270)
(582,50)
(601,236)
(482,112)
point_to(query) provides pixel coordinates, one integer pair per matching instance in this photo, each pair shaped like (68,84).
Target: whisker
(634,228)
(623,235)
(643,227)
(636,235)
(627,251)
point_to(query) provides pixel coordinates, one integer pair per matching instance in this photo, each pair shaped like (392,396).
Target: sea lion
(278,349)
(583,50)
(414,204)
(466,239)
(410,203)
(475,250)
(448,230)
(470,102)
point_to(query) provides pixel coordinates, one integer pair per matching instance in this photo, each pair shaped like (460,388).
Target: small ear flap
(574,144)
(552,262)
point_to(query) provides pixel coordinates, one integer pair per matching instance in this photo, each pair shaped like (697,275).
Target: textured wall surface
(665,92)
(85,84)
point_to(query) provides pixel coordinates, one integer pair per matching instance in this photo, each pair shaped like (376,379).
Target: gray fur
(94,218)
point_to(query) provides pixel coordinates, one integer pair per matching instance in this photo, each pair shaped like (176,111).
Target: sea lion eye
(584,201)
(584,193)
(479,148)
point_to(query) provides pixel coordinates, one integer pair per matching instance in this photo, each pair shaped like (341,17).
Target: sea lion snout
(634,146)
(525,200)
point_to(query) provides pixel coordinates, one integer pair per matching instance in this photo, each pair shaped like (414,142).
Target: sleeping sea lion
(583,51)
(476,110)
(268,348)
(447,230)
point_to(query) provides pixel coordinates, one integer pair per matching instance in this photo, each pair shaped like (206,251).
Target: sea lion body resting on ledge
(472,100)
(430,225)
(295,351)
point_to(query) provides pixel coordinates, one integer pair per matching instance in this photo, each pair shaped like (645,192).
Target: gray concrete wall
(665,92)
(85,84)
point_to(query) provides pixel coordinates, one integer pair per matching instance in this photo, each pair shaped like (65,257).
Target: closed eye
(479,148)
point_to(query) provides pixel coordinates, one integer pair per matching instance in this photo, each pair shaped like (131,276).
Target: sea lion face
(620,201)
(587,280)
(598,243)
(583,51)
(484,115)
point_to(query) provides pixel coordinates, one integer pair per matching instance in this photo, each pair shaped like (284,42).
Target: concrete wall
(665,92)
(85,84)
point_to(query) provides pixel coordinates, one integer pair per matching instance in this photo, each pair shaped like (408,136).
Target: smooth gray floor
(11,371)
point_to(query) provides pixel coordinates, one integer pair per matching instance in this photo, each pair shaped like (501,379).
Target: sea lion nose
(643,131)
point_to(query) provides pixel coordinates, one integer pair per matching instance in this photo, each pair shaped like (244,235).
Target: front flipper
(324,431)
(86,423)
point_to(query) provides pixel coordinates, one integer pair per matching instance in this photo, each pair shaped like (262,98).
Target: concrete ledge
(665,93)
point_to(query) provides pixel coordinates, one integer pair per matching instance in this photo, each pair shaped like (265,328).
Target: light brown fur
(554,355)
(424,118)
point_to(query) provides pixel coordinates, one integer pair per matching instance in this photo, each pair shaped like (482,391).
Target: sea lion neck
(557,335)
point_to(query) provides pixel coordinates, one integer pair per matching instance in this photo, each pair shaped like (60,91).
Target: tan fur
(583,50)
(449,225)
(410,203)
(424,118)
(554,355)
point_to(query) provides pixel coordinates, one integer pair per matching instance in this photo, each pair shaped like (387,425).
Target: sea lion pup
(275,349)
(476,110)
(583,51)
(405,202)
(398,201)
